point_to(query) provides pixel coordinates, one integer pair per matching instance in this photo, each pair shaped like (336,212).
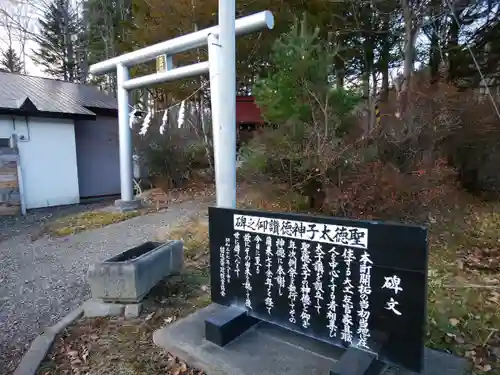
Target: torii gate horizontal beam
(221,66)
(168,76)
(245,25)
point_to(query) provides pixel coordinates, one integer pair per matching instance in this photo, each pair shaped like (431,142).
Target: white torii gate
(221,65)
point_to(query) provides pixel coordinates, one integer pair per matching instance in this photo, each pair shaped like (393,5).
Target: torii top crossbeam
(243,26)
(221,65)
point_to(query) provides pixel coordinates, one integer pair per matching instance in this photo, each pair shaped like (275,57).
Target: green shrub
(312,117)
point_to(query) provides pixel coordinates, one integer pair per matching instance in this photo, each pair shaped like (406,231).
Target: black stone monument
(361,285)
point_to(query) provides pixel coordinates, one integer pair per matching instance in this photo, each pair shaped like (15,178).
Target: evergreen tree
(299,81)
(106,26)
(59,34)
(10,61)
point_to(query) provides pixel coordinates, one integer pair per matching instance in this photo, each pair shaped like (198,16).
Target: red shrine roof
(247,111)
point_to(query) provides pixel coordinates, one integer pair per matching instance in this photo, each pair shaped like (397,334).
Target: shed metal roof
(52,96)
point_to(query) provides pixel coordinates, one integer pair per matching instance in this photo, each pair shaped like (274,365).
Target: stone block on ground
(94,308)
(133,310)
(129,276)
(264,349)
(269,349)
(127,206)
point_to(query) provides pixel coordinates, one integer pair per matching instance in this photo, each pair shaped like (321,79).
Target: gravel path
(12,226)
(42,281)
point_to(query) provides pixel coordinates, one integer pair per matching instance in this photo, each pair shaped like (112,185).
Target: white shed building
(67,139)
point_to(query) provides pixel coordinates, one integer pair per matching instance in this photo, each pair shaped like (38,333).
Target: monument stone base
(127,206)
(266,349)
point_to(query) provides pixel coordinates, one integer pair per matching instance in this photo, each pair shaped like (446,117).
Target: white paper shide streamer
(164,121)
(146,123)
(131,118)
(182,111)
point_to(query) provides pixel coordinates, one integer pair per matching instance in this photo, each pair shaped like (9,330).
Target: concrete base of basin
(126,206)
(129,276)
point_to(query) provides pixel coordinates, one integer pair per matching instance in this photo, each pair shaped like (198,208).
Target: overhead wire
(151,112)
(483,78)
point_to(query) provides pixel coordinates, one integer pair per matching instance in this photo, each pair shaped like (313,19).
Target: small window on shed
(4,142)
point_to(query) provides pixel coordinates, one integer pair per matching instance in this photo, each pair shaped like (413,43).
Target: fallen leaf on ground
(149,316)
(176,370)
(85,354)
(486,368)
(183,367)
(495,297)
(170,319)
(76,362)
(470,354)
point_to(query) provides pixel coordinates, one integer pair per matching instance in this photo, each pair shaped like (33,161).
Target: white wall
(48,159)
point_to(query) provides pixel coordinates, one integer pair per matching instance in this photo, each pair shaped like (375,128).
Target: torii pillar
(222,68)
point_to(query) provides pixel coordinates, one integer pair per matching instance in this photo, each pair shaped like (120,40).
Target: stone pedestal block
(129,276)
(126,206)
(266,349)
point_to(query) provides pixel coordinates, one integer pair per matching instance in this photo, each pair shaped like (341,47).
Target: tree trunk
(452,49)
(435,53)
(368,70)
(339,64)
(68,43)
(412,25)
(384,58)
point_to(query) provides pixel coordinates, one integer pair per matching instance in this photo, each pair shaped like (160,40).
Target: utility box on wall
(10,197)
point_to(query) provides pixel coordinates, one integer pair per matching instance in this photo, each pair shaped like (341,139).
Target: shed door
(98,157)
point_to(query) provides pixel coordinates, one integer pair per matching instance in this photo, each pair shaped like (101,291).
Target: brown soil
(119,346)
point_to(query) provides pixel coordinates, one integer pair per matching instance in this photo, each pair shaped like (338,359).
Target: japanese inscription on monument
(345,282)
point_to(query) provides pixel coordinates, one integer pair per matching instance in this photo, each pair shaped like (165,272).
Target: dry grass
(115,346)
(464,273)
(157,198)
(464,285)
(269,197)
(194,233)
(154,200)
(68,225)
(463,301)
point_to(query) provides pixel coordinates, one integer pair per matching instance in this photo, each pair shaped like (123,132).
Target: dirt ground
(116,346)
(44,258)
(35,220)
(66,220)
(463,299)
(464,284)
